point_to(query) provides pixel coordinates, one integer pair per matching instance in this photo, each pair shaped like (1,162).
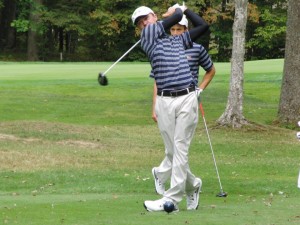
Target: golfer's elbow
(205,27)
(212,71)
(198,31)
(177,15)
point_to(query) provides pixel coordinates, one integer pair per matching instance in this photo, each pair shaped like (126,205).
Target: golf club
(102,79)
(222,193)
(299,180)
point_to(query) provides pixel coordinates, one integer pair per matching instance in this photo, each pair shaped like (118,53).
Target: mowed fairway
(73,152)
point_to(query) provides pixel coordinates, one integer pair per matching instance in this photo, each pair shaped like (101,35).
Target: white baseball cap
(184,21)
(140,11)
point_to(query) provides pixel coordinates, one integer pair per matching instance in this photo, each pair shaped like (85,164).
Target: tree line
(102,30)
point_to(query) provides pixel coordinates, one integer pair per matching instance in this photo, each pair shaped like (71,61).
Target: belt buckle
(173,93)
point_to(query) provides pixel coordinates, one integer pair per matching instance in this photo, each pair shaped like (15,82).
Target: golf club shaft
(122,57)
(212,151)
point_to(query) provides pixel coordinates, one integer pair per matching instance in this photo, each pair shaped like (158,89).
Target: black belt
(176,93)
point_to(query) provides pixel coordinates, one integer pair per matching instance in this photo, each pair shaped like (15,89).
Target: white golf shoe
(158,205)
(192,199)
(159,186)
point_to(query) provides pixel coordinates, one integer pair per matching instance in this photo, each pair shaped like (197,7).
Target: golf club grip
(201,109)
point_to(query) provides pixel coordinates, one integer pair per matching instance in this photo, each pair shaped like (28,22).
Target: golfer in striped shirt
(197,56)
(177,96)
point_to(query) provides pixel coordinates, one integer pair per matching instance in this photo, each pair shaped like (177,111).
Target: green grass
(72,152)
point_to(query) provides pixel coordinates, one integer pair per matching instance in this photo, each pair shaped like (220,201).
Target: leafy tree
(222,29)
(114,32)
(102,29)
(266,38)
(1,4)
(20,25)
(64,22)
(219,14)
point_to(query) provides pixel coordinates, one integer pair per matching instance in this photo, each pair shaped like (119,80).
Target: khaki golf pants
(177,119)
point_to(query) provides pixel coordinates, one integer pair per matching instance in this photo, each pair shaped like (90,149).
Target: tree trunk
(31,36)
(289,106)
(8,33)
(68,41)
(233,115)
(32,48)
(61,39)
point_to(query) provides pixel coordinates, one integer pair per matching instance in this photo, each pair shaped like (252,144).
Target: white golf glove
(198,92)
(171,10)
(182,7)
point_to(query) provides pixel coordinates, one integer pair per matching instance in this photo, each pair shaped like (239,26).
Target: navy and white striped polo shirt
(167,57)
(196,56)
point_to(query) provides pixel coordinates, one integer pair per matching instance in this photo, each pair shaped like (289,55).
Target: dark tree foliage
(101,30)
(8,33)
(266,37)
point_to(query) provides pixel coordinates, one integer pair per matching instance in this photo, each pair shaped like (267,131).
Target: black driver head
(102,79)
(222,194)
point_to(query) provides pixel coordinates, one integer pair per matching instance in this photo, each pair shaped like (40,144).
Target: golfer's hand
(171,10)
(154,117)
(198,93)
